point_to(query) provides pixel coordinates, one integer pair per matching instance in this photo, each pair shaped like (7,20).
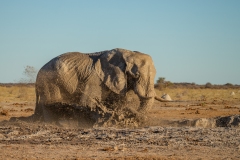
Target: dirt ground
(174,130)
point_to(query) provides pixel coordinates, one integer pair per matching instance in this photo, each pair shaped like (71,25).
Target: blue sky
(189,41)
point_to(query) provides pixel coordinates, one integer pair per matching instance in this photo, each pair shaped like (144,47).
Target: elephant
(95,79)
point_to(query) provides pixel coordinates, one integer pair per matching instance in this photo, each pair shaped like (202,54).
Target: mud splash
(72,115)
(129,117)
(75,116)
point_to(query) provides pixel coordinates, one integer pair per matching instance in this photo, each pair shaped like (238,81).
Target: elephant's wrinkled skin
(90,79)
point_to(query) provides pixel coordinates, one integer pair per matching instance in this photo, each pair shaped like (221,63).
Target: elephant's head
(141,68)
(116,67)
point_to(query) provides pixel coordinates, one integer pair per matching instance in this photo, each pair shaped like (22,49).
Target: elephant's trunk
(141,92)
(144,88)
(146,104)
(146,95)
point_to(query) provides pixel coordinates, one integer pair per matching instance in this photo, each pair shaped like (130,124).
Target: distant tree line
(30,74)
(162,84)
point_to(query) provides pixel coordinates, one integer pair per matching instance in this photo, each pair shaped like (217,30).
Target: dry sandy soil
(204,125)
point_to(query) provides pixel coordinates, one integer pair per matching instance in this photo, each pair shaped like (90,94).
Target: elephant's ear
(131,60)
(67,77)
(110,68)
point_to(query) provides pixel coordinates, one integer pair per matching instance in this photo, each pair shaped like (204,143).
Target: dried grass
(17,93)
(27,93)
(200,94)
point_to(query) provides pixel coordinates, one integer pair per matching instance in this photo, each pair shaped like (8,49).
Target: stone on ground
(166,97)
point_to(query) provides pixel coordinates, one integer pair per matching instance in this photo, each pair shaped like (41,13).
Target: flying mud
(73,115)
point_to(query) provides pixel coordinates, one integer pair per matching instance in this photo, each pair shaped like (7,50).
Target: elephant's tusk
(161,99)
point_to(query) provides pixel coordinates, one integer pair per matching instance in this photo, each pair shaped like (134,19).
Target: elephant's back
(71,56)
(72,64)
(74,61)
(66,69)
(68,59)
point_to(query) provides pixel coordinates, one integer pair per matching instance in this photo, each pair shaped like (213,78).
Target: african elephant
(90,79)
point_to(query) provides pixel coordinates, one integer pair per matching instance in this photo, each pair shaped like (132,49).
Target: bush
(30,73)
(161,83)
(208,85)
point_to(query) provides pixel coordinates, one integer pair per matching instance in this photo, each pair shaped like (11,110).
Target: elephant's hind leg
(55,93)
(53,98)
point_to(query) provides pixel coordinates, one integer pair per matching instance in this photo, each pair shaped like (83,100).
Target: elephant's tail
(37,99)
(38,110)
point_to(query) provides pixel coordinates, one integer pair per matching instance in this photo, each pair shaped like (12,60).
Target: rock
(166,97)
(228,121)
(232,94)
(205,122)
